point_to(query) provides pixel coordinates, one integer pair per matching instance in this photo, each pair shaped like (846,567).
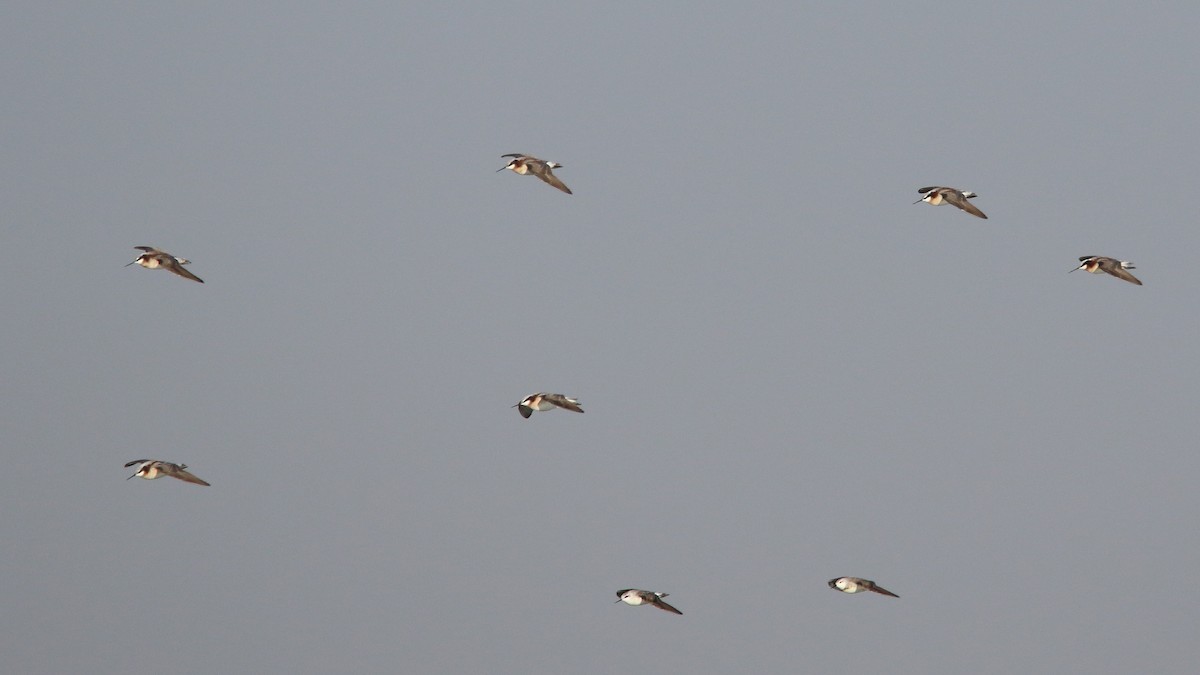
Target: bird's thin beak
(131,476)
(131,263)
(1075,270)
(918,201)
(501,169)
(618,600)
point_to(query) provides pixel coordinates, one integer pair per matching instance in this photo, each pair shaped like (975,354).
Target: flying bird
(856,585)
(526,165)
(947,195)
(153,468)
(156,259)
(632,596)
(541,402)
(1098,263)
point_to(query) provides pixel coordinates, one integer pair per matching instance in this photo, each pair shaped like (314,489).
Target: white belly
(847,586)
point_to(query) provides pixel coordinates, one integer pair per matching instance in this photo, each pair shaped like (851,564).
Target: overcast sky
(790,372)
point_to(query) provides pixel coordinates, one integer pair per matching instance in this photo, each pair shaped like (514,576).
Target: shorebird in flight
(856,585)
(154,259)
(947,195)
(526,165)
(153,468)
(632,596)
(1098,263)
(541,401)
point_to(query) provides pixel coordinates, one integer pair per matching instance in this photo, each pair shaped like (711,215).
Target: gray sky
(790,372)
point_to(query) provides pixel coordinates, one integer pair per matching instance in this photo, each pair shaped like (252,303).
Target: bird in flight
(153,468)
(947,195)
(526,165)
(541,401)
(155,259)
(1098,263)
(856,585)
(632,596)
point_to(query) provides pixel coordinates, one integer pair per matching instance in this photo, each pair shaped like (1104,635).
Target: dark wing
(1119,272)
(563,402)
(137,461)
(148,249)
(962,203)
(662,604)
(927,189)
(175,267)
(1085,257)
(514,154)
(176,471)
(550,178)
(883,591)
(525,410)
(880,589)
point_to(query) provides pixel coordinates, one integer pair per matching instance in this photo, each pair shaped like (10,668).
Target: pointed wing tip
(555,182)
(1125,276)
(971,209)
(662,605)
(178,269)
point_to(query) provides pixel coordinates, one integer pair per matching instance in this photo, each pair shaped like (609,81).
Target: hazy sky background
(790,372)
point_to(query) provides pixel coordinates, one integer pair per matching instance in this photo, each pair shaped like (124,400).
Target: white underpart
(847,586)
